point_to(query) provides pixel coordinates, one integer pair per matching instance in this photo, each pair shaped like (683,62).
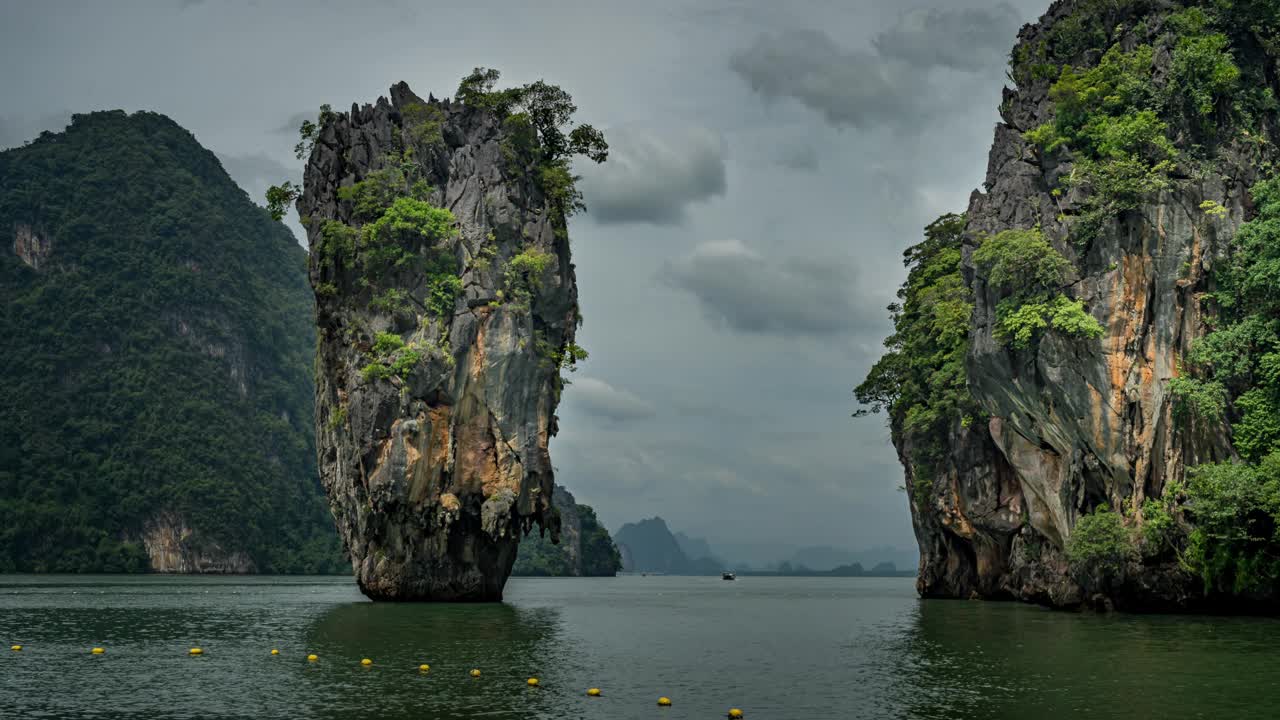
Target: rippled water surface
(775,647)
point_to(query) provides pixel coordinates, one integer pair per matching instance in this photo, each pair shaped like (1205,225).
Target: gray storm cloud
(602,400)
(798,157)
(856,88)
(891,85)
(968,39)
(742,290)
(18,129)
(654,177)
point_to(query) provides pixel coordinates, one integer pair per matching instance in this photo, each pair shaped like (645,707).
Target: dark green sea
(775,647)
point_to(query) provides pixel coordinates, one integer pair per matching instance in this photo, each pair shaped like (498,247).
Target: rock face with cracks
(1073,424)
(435,461)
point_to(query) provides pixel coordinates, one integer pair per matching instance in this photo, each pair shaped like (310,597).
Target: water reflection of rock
(507,644)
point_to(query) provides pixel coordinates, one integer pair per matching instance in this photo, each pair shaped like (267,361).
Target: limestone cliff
(173,546)
(446,306)
(1070,423)
(570,526)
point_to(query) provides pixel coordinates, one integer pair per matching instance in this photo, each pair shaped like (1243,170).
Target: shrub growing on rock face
(1100,548)
(1235,509)
(1023,264)
(921,379)
(1198,399)
(539,119)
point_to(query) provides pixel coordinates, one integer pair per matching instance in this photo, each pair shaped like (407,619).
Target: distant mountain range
(825,557)
(695,547)
(649,546)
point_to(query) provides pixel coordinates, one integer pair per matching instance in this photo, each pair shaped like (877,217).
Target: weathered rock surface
(28,245)
(570,526)
(1078,423)
(174,547)
(433,477)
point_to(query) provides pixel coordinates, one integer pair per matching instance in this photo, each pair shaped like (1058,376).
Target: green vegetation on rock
(156,358)
(1030,273)
(1234,543)
(1119,118)
(1100,547)
(425,124)
(540,134)
(921,379)
(1234,507)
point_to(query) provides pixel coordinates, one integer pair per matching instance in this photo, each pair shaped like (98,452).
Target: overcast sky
(770,162)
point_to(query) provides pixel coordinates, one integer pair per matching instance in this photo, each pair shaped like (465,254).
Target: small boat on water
(726,575)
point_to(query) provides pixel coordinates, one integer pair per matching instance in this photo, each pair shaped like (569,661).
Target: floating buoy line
(533,682)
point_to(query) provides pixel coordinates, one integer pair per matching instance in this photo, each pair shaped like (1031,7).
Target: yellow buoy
(735,713)
(97,651)
(664,701)
(475,673)
(196,651)
(16,648)
(533,682)
(594,692)
(424,667)
(312,658)
(275,651)
(366,662)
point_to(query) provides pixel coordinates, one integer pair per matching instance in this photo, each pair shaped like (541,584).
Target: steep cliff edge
(446,307)
(1067,426)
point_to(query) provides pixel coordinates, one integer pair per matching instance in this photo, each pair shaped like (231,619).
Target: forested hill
(157,410)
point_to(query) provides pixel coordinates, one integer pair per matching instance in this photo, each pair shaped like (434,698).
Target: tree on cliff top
(549,109)
(539,120)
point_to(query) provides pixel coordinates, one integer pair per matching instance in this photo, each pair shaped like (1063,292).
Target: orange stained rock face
(485,461)
(384,451)
(476,463)
(441,437)
(959,523)
(414,469)
(476,469)
(1128,367)
(427,452)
